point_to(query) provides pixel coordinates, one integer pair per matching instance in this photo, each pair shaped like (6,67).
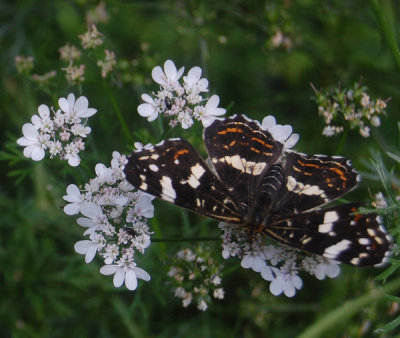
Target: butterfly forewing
(175,172)
(241,152)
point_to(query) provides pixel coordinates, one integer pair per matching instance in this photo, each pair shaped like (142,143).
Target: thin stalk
(386,32)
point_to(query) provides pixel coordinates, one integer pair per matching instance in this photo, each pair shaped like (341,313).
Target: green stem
(386,31)
(345,311)
(184,239)
(120,117)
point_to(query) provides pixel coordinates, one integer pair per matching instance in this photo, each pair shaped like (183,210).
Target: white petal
(131,280)
(289,290)
(63,103)
(119,277)
(268,122)
(86,222)
(73,194)
(74,160)
(23,141)
(140,273)
(291,141)
(147,98)
(71,100)
(281,133)
(37,154)
(109,269)
(91,210)
(246,261)
(30,132)
(212,102)
(90,253)
(170,70)
(158,75)
(146,109)
(266,273)
(193,76)
(43,111)
(72,209)
(81,105)
(81,247)
(276,286)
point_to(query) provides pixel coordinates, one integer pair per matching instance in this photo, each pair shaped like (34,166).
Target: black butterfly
(256,183)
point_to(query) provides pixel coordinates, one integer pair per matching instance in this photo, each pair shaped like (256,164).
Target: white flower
(33,142)
(44,122)
(185,119)
(76,109)
(286,282)
(149,109)
(280,133)
(208,114)
(169,77)
(111,253)
(202,306)
(74,198)
(326,268)
(193,82)
(125,271)
(89,248)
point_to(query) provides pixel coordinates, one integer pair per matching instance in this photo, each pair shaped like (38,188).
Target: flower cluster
(352,107)
(182,101)
(108,64)
(60,132)
(277,264)
(196,277)
(349,107)
(115,221)
(24,64)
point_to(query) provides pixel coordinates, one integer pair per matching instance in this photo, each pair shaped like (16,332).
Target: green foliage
(259,57)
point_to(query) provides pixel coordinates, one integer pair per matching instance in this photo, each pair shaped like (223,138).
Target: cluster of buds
(182,101)
(61,132)
(115,221)
(196,277)
(352,108)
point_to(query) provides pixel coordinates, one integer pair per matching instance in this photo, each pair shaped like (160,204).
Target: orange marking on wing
(180,152)
(255,150)
(341,173)
(265,144)
(230,130)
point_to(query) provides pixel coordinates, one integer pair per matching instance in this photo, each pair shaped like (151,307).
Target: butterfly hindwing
(175,172)
(314,180)
(337,233)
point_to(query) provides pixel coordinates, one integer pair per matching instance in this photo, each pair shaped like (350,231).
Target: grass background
(46,288)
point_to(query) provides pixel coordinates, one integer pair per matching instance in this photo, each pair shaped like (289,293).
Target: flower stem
(386,31)
(345,311)
(121,119)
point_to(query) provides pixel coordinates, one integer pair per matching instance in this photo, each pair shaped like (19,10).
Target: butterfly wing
(314,180)
(335,233)
(241,152)
(175,172)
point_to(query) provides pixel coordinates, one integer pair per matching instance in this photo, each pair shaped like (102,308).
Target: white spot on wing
(168,192)
(335,250)
(304,189)
(153,167)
